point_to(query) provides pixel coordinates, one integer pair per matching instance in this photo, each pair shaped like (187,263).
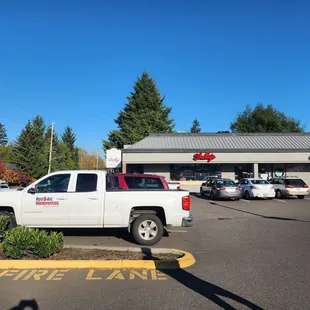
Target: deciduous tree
(265,119)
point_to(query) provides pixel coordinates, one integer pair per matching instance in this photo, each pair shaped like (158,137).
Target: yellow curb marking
(185,261)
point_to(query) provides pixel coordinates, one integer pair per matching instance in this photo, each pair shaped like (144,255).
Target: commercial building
(191,158)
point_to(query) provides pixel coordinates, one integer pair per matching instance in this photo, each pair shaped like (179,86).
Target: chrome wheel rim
(148,230)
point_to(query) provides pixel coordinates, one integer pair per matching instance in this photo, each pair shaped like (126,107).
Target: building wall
(158,163)
(182,158)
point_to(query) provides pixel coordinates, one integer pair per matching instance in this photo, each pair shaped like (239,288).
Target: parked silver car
(221,188)
(289,186)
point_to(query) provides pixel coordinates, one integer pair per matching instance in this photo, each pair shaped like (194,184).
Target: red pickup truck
(136,181)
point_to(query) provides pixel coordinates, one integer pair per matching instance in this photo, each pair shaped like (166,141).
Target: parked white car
(80,199)
(256,188)
(290,186)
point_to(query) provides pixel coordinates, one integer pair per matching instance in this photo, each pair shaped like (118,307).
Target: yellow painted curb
(183,262)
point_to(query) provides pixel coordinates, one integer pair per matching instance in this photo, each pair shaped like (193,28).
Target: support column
(255,170)
(124,166)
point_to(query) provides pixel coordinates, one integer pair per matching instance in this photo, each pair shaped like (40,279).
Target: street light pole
(51,149)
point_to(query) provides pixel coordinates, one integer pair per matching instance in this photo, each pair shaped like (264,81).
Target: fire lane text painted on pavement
(91,275)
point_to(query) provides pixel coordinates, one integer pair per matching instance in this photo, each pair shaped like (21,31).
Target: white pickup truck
(81,199)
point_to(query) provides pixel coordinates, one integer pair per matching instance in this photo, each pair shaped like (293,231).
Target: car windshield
(225,182)
(259,182)
(294,182)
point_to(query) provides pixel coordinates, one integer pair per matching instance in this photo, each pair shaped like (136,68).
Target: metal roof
(228,142)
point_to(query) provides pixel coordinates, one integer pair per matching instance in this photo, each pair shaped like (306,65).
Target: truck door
(86,209)
(47,205)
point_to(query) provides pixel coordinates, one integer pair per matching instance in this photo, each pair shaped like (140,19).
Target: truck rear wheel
(147,229)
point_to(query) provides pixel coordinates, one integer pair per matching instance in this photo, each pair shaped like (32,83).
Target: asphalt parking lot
(249,255)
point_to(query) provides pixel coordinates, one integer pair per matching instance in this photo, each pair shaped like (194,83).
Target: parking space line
(280,200)
(245,200)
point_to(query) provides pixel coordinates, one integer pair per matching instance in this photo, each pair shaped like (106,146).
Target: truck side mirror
(32,190)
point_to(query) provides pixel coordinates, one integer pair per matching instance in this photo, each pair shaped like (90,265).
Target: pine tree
(69,139)
(195,127)
(29,150)
(144,113)
(63,159)
(3,135)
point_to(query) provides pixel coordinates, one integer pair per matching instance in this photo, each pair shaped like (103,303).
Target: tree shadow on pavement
(252,213)
(256,214)
(26,305)
(202,287)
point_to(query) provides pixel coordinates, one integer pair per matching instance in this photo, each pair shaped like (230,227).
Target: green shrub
(4,222)
(28,242)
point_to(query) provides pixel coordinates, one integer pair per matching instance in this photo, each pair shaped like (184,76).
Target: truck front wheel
(147,229)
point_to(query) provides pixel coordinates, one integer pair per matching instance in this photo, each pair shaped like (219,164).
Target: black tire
(247,195)
(278,194)
(212,197)
(301,197)
(136,225)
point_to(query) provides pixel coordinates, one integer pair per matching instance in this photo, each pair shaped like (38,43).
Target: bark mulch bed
(99,254)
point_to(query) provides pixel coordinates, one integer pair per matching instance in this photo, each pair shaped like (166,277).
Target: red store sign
(206,156)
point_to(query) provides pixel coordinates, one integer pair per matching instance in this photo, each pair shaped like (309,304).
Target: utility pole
(97,161)
(51,149)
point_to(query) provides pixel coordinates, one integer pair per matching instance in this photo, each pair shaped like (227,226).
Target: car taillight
(306,186)
(289,186)
(238,188)
(186,203)
(178,188)
(223,189)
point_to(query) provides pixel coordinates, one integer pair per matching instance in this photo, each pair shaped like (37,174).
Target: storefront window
(243,171)
(194,172)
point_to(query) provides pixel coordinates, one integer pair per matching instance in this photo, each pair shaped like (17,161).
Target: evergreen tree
(63,159)
(195,127)
(29,150)
(144,113)
(69,138)
(3,135)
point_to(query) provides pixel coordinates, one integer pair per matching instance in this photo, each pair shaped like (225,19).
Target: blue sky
(74,62)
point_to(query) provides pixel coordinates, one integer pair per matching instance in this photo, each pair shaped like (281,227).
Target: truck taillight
(186,203)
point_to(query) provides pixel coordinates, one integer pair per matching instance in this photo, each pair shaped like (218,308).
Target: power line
(16,104)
